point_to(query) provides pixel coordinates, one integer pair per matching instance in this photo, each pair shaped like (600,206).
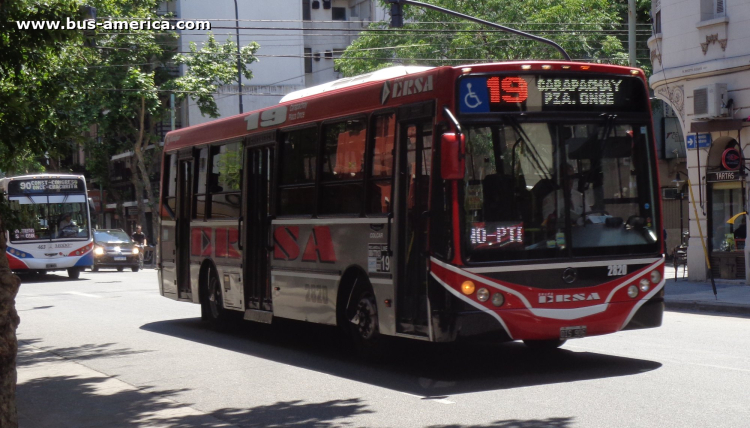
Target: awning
(716,125)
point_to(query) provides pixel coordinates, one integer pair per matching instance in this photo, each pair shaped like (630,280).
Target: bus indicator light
(467,287)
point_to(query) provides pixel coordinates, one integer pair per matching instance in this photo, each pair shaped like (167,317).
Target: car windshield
(111,236)
(549,190)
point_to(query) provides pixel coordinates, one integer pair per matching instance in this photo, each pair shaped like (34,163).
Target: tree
(34,107)
(584,28)
(133,76)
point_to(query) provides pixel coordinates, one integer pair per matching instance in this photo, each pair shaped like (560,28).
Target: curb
(708,307)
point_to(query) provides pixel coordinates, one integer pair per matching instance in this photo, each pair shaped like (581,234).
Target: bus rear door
(256,216)
(185,191)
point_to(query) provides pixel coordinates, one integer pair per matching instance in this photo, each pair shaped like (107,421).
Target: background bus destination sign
(50,185)
(537,93)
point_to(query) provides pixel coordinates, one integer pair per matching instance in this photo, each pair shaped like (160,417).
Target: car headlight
(98,251)
(136,250)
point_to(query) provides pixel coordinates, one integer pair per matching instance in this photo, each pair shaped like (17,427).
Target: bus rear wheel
(363,323)
(212,303)
(544,345)
(74,273)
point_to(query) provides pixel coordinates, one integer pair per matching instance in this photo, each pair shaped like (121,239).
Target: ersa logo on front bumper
(562,298)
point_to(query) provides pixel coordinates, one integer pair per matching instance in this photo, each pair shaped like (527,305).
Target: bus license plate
(573,332)
(51,265)
(120,259)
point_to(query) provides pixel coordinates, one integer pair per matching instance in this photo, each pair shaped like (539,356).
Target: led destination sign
(50,185)
(536,93)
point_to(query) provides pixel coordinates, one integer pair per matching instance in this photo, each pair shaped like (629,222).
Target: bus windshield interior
(538,190)
(54,217)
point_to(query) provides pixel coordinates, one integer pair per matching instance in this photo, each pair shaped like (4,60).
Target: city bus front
(53,224)
(558,220)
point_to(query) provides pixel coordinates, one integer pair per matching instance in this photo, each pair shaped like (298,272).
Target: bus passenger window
(224,180)
(170,171)
(381,164)
(202,177)
(343,167)
(297,177)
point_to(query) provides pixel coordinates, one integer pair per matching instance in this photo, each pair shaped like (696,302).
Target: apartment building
(700,51)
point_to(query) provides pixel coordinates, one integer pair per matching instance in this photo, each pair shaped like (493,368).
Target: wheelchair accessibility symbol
(473,95)
(471,99)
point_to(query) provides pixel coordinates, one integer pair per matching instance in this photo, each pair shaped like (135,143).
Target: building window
(328,54)
(711,9)
(306,10)
(308,60)
(338,14)
(657,22)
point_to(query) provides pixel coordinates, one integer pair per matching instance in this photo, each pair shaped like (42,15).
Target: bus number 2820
(316,293)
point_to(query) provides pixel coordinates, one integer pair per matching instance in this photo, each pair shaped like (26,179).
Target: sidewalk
(55,392)
(733,296)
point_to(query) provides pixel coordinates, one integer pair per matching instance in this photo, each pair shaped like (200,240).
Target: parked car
(113,248)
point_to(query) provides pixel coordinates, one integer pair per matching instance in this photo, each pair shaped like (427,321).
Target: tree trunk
(9,321)
(145,178)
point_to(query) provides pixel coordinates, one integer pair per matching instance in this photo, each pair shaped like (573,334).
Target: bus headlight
(98,251)
(645,285)
(136,250)
(655,276)
(633,291)
(483,295)
(467,287)
(498,299)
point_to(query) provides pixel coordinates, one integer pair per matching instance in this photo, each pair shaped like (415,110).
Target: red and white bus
(510,201)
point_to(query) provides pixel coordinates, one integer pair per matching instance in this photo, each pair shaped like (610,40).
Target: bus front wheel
(74,273)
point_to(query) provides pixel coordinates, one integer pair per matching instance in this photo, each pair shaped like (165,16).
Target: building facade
(299,40)
(700,51)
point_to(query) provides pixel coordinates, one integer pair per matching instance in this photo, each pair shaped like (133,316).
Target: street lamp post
(239,68)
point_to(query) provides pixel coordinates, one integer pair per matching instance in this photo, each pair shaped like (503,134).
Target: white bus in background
(55,231)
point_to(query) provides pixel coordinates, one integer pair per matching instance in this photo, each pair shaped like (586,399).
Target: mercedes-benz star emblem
(569,275)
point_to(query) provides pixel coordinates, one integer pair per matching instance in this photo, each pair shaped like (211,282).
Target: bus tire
(119,269)
(74,273)
(212,303)
(135,268)
(362,316)
(95,269)
(544,345)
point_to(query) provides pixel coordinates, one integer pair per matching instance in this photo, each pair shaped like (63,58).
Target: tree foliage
(35,83)
(584,28)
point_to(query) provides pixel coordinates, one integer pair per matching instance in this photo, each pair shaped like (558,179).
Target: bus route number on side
(617,270)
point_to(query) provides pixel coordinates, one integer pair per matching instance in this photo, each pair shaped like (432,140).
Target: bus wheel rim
(367,318)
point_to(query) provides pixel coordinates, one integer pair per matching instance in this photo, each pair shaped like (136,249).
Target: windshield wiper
(534,154)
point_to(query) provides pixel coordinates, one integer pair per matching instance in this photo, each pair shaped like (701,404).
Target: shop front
(725,182)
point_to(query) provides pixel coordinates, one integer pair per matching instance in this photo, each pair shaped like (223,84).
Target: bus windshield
(53,217)
(539,190)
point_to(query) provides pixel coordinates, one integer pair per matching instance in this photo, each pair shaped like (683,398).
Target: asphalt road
(694,371)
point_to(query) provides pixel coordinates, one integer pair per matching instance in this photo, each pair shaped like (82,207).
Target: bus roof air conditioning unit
(710,101)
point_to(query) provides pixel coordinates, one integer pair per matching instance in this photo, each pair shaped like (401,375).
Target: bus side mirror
(453,156)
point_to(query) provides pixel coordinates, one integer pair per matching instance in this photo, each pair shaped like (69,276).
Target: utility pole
(631,32)
(239,67)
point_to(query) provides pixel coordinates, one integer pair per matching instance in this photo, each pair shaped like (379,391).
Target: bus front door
(415,143)
(185,168)
(255,231)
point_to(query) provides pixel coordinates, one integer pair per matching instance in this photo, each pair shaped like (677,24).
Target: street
(152,355)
